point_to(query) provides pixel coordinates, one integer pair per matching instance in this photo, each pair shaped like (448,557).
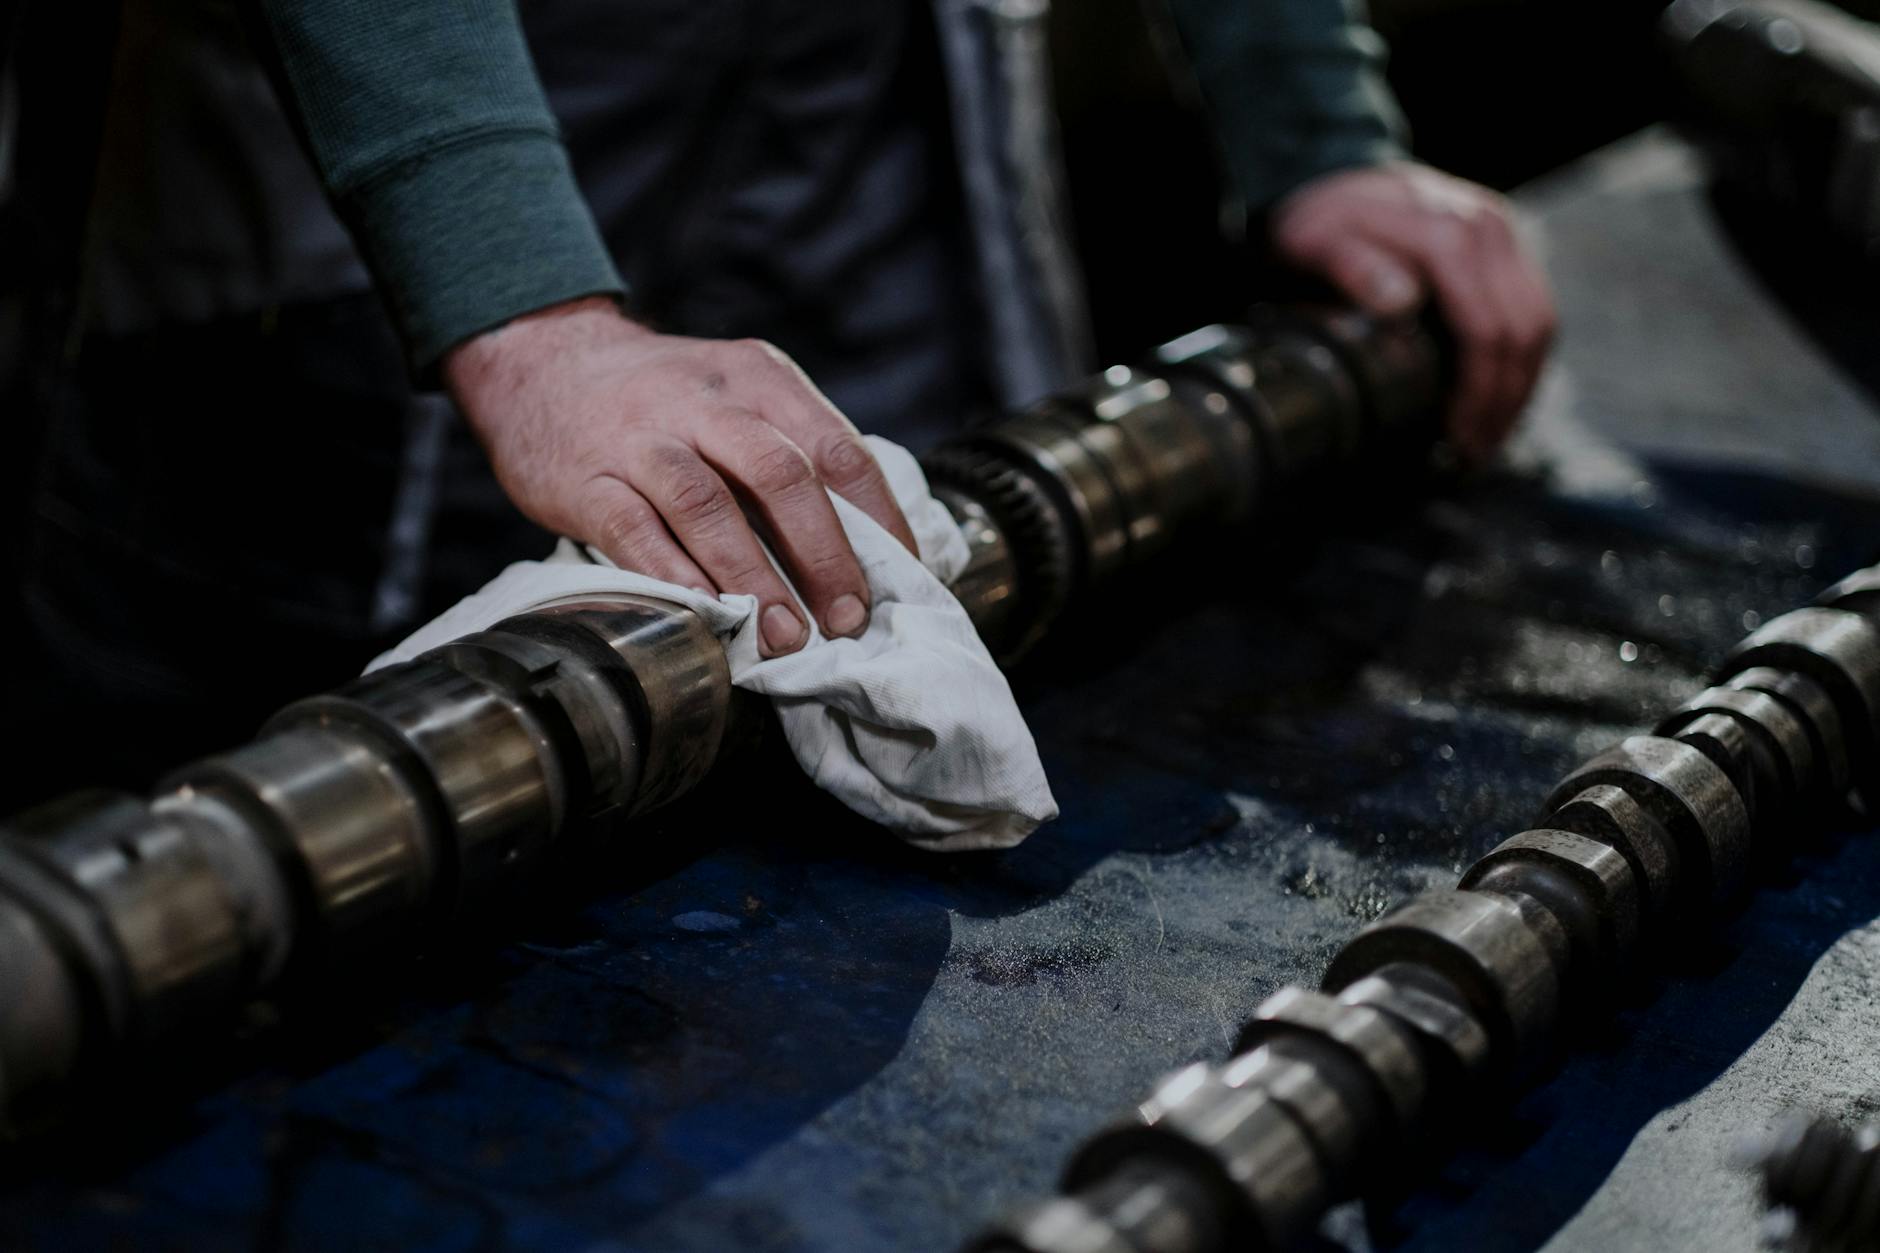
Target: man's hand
(653,447)
(1392,235)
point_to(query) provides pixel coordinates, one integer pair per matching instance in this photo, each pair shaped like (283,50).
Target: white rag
(911,724)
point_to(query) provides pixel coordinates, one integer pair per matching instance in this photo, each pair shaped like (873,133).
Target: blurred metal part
(1785,95)
(423,795)
(1823,1180)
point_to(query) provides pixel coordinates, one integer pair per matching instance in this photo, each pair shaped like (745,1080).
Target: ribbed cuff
(476,233)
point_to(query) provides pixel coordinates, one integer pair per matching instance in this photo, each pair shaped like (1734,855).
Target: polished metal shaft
(425,793)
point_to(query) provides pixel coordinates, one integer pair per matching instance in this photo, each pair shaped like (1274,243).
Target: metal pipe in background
(1452,1001)
(1785,97)
(424,794)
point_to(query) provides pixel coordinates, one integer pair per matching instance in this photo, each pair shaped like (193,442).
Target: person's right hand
(651,448)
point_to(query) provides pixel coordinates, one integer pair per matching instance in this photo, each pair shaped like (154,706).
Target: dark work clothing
(780,169)
(416,112)
(432,135)
(232,511)
(242,498)
(207,544)
(1295,87)
(757,167)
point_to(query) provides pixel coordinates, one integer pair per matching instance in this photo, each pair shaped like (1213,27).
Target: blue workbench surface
(762,1026)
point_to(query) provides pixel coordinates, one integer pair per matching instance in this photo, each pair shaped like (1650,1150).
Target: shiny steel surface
(1191,477)
(683,682)
(1050,443)
(988,587)
(351,830)
(160,897)
(466,748)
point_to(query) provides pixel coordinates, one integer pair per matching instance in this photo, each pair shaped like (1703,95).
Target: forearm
(1296,89)
(431,133)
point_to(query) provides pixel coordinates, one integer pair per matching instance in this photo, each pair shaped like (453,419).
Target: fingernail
(847,616)
(783,630)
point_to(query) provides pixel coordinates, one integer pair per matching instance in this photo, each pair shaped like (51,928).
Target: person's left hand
(1390,236)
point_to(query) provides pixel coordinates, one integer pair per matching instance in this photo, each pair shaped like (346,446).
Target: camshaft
(424,794)
(1464,992)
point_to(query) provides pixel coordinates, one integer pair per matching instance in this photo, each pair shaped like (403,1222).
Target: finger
(777,479)
(1472,320)
(1515,286)
(1536,320)
(619,521)
(1449,255)
(706,518)
(1372,276)
(1490,278)
(1469,255)
(795,406)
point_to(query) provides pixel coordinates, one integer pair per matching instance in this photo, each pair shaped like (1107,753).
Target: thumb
(1372,277)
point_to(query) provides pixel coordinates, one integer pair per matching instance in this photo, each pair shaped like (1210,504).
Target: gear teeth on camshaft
(1043,547)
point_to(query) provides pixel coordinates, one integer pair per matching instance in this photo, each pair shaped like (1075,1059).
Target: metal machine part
(1785,95)
(1821,1183)
(1473,982)
(1839,649)
(1690,796)
(424,794)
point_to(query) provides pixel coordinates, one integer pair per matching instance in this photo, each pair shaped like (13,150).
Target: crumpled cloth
(911,724)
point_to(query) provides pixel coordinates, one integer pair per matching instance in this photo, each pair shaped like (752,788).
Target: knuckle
(1474,327)
(758,351)
(693,493)
(697,502)
(1497,220)
(621,531)
(830,564)
(738,570)
(1450,237)
(1309,234)
(845,460)
(781,469)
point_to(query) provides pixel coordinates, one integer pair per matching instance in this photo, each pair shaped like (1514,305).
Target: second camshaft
(1466,992)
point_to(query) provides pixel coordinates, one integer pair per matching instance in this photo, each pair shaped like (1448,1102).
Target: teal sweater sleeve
(1295,87)
(433,137)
